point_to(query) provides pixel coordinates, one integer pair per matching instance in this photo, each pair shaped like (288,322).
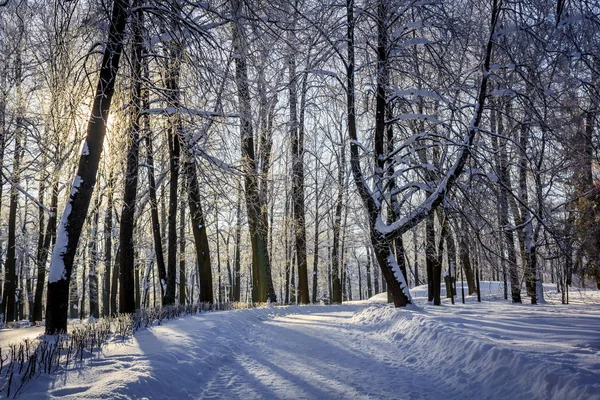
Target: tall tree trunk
(287,246)
(293,298)
(219,280)
(500,193)
(199,230)
(368,267)
(437,262)
(297,150)
(316,242)
(465,260)
(10,278)
(349,278)
(108,232)
(360,285)
(115,282)
(40,244)
(85,178)
(451,253)
(336,284)
(3,94)
(416,259)
(182,277)
(430,254)
(49,236)
(229,274)
(93,259)
(156,228)
(146,283)
(262,285)
(529,248)
(504,177)
(174,141)
(375,270)
(237,282)
(126,278)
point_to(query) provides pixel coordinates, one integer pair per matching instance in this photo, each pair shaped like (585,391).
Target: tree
(85,179)
(262,283)
(382,234)
(126,277)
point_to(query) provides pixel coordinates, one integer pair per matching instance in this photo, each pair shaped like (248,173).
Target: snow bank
(504,358)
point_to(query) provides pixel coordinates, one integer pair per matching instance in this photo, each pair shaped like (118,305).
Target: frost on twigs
(50,354)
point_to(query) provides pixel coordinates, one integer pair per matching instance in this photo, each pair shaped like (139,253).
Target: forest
(159,152)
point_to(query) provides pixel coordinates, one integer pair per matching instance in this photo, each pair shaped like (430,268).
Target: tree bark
(115,283)
(41,268)
(156,229)
(93,259)
(108,228)
(49,237)
(182,277)
(85,179)
(126,278)
(504,177)
(368,267)
(174,142)
(199,231)
(297,150)
(10,278)
(336,271)
(262,284)
(237,282)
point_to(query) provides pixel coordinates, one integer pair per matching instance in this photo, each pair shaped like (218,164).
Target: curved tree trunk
(85,178)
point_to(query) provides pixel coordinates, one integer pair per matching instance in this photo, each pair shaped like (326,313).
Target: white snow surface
(359,350)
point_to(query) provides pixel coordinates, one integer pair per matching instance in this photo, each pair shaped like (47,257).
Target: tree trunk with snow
(85,178)
(382,234)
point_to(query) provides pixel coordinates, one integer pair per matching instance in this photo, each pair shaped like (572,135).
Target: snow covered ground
(362,350)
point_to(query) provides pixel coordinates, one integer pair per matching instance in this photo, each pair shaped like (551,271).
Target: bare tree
(83,184)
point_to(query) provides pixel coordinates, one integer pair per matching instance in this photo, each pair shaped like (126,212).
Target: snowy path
(318,354)
(8,336)
(322,356)
(355,351)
